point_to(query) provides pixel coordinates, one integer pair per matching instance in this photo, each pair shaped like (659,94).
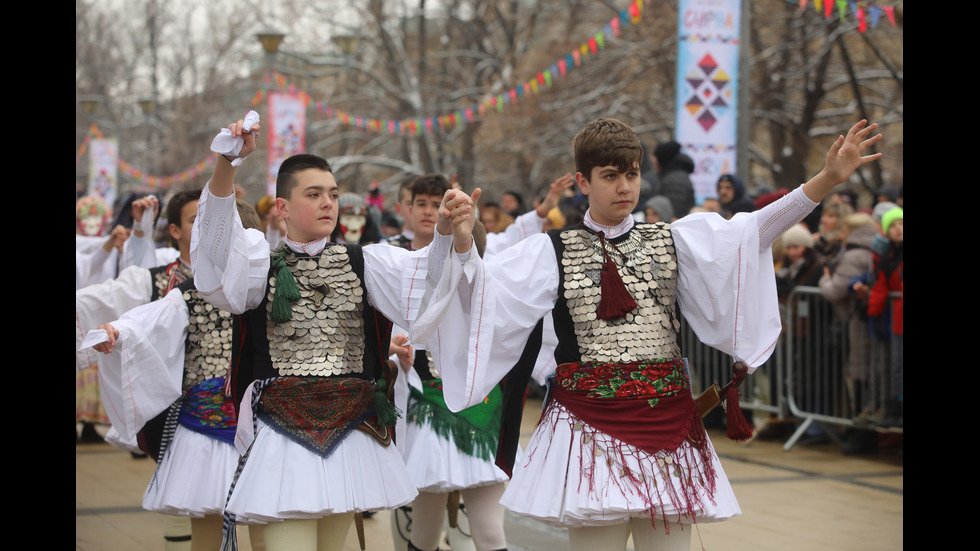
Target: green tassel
(387,413)
(286,290)
(475,431)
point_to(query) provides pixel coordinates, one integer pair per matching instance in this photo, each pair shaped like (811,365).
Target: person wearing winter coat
(889,279)
(731,195)
(837,286)
(674,170)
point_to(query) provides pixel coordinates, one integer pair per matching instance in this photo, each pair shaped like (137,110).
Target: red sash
(646,404)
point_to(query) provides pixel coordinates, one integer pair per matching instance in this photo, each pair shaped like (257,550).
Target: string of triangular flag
(155,182)
(410,127)
(543,79)
(862,11)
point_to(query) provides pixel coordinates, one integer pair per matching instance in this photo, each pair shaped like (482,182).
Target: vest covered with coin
(619,368)
(204,406)
(315,345)
(166,277)
(207,350)
(647,265)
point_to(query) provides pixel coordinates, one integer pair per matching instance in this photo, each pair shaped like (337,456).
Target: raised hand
(117,238)
(555,192)
(145,204)
(456,215)
(844,157)
(847,153)
(248,136)
(222,182)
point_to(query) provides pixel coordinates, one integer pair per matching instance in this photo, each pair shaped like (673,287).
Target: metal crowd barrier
(805,378)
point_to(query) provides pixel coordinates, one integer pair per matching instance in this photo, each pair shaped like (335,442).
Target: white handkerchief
(225,144)
(94,337)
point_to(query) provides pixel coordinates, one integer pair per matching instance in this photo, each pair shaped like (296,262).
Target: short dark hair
(177,203)
(286,176)
(606,142)
(517,197)
(429,184)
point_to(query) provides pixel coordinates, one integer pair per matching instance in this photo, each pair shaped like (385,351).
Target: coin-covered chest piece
(325,335)
(160,282)
(647,265)
(165,278)
(209,338)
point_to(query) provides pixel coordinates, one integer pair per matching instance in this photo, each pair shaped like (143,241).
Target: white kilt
(549,485)
(436,465)
(283,480)
(194,476)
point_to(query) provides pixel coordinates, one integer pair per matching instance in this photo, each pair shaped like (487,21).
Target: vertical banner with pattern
(103,175)
(287,132)
(707,89)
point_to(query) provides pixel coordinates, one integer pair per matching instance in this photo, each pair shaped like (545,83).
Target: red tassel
(740,429)
(614,299)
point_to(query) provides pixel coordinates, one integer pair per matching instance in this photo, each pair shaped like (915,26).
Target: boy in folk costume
(444,451)
(620,447)
(311,339)
(163,374)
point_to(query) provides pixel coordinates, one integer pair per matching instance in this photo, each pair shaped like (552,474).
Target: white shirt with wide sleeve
(143,374)
(726,291)
(106,301)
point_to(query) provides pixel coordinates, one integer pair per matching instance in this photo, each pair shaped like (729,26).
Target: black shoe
(138,455)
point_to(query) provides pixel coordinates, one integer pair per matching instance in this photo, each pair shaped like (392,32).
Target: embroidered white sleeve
(231,263)
(780,215)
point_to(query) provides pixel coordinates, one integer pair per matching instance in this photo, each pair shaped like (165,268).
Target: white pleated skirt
(436,465)
(194,476)
(550,485)
(283,480)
